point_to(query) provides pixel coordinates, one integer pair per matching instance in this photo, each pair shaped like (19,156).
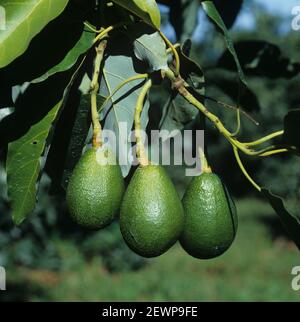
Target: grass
(256,268)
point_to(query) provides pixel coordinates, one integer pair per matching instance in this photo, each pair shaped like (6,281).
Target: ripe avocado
(95,190)
(211,220)
(152,216)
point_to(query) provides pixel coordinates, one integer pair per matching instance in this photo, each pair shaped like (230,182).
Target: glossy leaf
(24,20)
(147,10)
(62,36)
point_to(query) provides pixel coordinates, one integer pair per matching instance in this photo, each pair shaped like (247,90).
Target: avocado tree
(90,66)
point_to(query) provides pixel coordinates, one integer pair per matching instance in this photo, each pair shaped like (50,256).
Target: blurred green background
(50,258)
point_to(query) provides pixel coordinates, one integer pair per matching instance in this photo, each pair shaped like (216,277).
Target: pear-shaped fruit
(211,220)
(96,188)
(152,215)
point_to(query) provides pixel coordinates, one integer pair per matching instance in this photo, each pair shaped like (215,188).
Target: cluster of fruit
(152,216)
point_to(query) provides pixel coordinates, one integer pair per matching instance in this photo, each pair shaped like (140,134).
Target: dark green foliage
(258,58)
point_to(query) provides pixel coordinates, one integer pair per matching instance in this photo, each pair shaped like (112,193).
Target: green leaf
(82,46)
(47,49)
(119,112)
(23,166)
(214,15)
(147,10)
(150,49)
(290,222)
(24,20)
(24,162)
(291,135)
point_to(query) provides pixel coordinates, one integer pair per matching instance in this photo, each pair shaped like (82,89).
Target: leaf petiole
(103,32)
(174,51)
(120,86)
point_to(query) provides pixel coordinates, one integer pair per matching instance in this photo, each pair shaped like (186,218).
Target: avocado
(211,220)
(152,216)
(95,189)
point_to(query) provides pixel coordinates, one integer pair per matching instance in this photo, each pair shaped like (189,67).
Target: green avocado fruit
(152,216)
(211,220)
(95,189)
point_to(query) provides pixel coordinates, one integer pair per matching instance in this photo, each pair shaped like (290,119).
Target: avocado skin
(152,216)
(95,190)
(211,220)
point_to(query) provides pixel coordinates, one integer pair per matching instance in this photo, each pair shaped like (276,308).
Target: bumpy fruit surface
(95,190)
(211,220)
(152,215)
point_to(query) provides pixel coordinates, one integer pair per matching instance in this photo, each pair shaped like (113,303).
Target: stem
(97,139)
(178,84)
(170,50)
(238,119)
(174,51)
(213,118)
(104,32)
(239,161)
(140,151)
(204,164)
(128,80)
